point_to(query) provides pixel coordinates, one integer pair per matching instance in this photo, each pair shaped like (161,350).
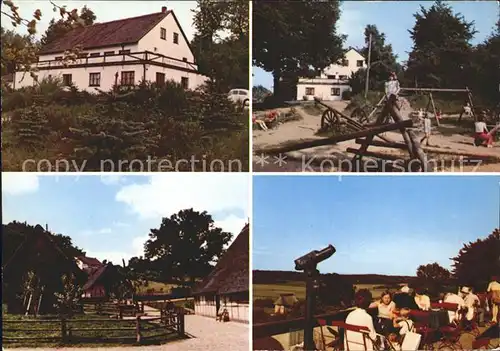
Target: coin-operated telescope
(308,263)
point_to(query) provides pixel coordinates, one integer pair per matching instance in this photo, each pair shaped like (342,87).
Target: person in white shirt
(471,301)
(423,301)
(392,86)
(427,129)
(403,322)
(454,316)
(483,136)
(494,291)
(355,340)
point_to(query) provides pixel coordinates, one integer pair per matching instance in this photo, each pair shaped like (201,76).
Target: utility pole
(368,65)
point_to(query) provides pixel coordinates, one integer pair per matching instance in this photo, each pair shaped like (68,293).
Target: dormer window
(163,33)
(176,38)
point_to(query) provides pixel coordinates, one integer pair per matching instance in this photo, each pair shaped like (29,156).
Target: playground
(329,133)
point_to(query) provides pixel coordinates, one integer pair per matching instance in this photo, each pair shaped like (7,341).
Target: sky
(105,11)
(110,216)
(395,18)
(378,224)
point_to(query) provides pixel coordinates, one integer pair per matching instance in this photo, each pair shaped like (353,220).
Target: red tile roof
(124,31)
(90,261)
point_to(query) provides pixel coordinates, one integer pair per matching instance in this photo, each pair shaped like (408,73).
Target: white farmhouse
(123,52)
(333,81)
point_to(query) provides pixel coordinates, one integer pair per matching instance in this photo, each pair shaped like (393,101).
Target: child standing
(427,130)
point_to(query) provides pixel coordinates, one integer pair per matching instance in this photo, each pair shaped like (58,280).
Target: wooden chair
(342,343)
(422,327)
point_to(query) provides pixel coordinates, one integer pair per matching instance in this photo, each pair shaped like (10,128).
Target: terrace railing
(263,332)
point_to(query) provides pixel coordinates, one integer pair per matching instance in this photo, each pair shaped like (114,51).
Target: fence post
(120,311)
(138,329)
(180,318)
(64,335)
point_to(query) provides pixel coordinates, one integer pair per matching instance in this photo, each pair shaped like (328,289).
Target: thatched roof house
(42,256)
(285,303)
(227,286)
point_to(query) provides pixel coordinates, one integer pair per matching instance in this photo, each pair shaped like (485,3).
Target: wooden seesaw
(364,135)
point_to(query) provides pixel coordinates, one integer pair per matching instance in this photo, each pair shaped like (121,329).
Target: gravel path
(205,333)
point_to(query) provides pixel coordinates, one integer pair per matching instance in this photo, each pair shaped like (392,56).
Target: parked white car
(239,95)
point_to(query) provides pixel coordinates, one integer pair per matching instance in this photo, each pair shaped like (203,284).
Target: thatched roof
(231,274)
(39,248)
(287,300)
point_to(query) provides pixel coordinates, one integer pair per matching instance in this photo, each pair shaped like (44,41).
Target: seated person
(454,316)
(354,340)
(482,135)
(423,301)
(385,314)
(404,299)
(473,305)
(403,322)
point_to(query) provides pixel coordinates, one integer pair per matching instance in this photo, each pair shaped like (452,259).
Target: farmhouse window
(94,79)
(83,55)
(109,53)
(67,79)
(176,38)
(343,77)
(160,78)
(185,59)
(59,58)
(359,63)
(185,82)
(95,54)
(309,91)
(335,92)
(124,52)
(163,33)
(332,77)
(346,63)
(127,78)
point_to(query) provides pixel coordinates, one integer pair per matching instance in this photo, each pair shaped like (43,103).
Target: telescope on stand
(308,263)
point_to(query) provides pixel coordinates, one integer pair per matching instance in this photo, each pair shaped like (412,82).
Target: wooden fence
(138,330)
(112,309)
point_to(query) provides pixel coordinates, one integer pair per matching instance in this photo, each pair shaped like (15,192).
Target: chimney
(164,9)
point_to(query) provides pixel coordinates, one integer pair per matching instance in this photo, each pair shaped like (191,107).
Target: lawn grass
(273,291)
(156,287)
(48,330)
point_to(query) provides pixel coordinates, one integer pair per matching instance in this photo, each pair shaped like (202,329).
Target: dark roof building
(231,274)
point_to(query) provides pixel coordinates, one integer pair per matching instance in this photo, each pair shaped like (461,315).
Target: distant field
(272,291)
(156,286)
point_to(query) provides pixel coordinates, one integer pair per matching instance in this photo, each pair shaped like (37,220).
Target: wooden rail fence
(138,330)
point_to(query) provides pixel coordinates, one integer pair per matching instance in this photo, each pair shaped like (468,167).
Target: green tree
(259,92)
(16,50)
(441,51)
(485,67)
(186,244)
(478,261)
(58,28)
(223,59)
(383,62)
(290,37)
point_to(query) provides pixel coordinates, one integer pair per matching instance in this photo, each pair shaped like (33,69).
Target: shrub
(346,95)
(268,303)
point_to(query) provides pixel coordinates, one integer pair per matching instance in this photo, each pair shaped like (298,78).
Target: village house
(88,264)
(227,286)
(333,81)
(124,52)
(285,303)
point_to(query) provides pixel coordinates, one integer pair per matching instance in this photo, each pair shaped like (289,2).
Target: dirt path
(306,128)
(205,334)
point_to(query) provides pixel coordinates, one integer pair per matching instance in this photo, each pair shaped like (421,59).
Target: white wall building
(333,81)
(124,52)
(227,286)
